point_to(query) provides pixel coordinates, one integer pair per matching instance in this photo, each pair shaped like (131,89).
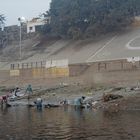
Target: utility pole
(21,20)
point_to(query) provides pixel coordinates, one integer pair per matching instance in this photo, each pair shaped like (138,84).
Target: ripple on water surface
(21,123)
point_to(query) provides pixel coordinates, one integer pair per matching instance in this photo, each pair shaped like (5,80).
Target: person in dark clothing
(16,90)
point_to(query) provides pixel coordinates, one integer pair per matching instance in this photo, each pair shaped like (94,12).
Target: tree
(2,20)
(77,18)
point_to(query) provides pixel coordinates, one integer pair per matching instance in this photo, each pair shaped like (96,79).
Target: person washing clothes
(38,103)
(79,103)
(17,90)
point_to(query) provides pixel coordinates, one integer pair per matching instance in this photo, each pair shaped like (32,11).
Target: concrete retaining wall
(118,73)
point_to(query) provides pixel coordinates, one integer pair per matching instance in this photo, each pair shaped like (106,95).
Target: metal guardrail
(28,65)
(113,65)
(117,65)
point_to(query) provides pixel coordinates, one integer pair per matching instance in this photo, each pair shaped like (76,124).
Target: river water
(22,123)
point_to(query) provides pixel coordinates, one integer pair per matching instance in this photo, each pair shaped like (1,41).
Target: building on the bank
(36,23)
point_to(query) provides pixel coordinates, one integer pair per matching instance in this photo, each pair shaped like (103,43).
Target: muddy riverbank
(129,101)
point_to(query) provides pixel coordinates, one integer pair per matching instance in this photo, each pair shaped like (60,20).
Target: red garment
(4,98)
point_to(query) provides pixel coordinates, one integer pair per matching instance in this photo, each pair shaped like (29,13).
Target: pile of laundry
(16,94)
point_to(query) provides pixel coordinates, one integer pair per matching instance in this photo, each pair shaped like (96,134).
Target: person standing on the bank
(29,91)
(133,63)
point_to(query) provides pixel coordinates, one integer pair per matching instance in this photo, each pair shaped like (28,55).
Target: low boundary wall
(115,72)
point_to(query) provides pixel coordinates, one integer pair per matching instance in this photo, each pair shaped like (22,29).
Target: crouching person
(79,103)
(38,103)
(4,99)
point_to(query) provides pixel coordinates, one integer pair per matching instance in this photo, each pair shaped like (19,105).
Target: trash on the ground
(51,105)
(89,93)
(137,89)
(53,94)
(18,95)
(12,98)
(109,97)
(94,103)
(117,88)
(88,99)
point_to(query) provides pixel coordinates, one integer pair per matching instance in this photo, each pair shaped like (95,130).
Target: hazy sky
(12,9)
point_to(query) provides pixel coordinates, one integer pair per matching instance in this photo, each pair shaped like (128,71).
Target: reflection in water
(66,123)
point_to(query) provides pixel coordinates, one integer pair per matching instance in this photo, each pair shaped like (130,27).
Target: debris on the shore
(8,105)
(51,105)
(117,88)
(60,96)
(89,93)
(94,103)
(137,89)
(30,105)
(109,97)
